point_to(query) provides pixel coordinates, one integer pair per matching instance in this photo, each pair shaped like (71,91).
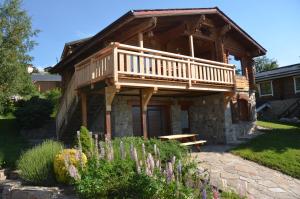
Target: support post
(191,44)
(145,95)
(110,93)
(141,41)
(83,109)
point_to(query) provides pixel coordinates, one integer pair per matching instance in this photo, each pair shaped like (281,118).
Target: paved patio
(245,177)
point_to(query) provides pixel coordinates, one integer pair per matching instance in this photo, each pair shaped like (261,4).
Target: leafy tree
(264,63)
(16,35)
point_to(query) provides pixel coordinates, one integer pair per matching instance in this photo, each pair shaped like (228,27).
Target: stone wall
(207,118)
(207,115)
(233,131)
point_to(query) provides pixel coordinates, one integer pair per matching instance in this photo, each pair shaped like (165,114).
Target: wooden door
(157,121)
(244,113)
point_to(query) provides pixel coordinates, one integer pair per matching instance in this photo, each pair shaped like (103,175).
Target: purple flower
(73,172)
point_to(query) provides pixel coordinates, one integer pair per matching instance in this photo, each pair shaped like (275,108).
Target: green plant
(86,141)
(64,161)
(36,164)
(53,96)
(33,113)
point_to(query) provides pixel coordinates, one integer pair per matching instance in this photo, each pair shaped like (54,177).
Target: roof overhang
(136,14)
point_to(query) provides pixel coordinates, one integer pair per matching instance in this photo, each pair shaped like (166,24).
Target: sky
(275,24)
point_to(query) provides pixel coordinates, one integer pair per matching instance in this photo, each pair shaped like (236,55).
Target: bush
(86,141)
(53,96)
(70,157)
(36,164)
(34,112)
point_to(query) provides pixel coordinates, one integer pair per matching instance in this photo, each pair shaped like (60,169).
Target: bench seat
(198,142)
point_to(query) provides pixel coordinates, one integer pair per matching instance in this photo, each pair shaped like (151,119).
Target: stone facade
(208,116)
(235,130)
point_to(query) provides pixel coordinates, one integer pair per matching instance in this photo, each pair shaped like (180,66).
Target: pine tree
(16,42)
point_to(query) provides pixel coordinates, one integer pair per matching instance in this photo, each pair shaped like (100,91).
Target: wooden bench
(185,139)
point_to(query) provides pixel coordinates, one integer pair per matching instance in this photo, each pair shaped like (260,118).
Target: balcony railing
(130,65)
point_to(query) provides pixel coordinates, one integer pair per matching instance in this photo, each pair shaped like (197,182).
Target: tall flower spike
(96,146)
(144,153)
(155,151)
(102,150)
(138,168)
(91,143)
(179,170)
(122,150)
(170,174)
(73,172)
(131,151)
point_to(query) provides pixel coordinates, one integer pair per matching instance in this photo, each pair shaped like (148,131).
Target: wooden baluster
(179,70)
(158,66)
(200,72)
(184,67)
(135,65)
(153,66)
(174,69)
(164,64)
(128,63)
(169,68)
(121,62)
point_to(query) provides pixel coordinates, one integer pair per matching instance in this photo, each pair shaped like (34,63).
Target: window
(297,84)
(237,62)
(266,88)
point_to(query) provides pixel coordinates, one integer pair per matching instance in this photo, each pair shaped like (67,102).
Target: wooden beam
(142,27)
(145,95)
(110,93)
(225,29)
(83,109)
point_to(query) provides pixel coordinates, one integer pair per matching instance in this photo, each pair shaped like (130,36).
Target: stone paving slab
(230,172)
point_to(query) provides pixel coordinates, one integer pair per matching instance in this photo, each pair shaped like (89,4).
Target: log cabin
(161,72)
(279,89)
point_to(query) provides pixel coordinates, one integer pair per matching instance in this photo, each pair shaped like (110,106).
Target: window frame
(295,86)
(259,89)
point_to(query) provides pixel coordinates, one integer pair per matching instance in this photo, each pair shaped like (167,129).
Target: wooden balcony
(132,66)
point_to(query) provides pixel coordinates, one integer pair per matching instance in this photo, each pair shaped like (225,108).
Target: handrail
(136,48)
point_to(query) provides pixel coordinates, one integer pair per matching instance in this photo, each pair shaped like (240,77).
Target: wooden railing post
(115,62)
(189,71)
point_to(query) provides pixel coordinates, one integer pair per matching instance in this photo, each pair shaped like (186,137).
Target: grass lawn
(278,148)
(11,143)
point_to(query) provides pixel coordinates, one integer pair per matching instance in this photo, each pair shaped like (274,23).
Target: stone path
(245,177)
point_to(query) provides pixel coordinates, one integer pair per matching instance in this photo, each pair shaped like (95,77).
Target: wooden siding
(283,88)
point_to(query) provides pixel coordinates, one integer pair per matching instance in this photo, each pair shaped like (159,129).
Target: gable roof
(284,71)
(135,14)
(45,77)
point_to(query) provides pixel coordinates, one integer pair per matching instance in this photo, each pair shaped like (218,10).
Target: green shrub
(34,112)
(86,141)
(53,96)
(36,164)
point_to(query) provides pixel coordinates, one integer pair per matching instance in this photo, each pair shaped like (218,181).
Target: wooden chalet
(161,72)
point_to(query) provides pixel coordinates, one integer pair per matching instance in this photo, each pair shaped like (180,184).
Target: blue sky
(273,23)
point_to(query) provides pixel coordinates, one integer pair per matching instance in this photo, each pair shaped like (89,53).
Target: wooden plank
(177,136)
(193,143)
(135,64)
(121,62)
(179,70)
(153,66)
(128,63)
(158,61)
